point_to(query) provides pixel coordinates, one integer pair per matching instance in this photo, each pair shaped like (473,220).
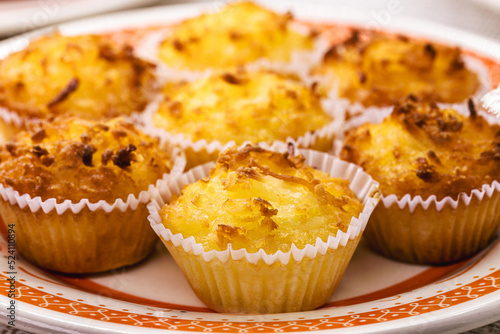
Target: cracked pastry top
(378,70)
(239,33)
(257,199)
(256,106)
(74,159)
(83,76)
(423,150)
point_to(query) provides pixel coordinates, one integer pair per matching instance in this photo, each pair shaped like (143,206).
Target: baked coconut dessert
(378,70)
(424,150)
(76,192)
(256,199)
(84,76)
(263,231)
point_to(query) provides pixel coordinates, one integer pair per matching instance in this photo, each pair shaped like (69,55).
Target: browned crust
(69,159)
(249,167)
(459,153)
(137,73)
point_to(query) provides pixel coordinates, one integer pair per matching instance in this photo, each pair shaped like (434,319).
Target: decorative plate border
(478,288)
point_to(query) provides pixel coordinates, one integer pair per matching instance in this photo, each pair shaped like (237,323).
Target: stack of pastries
(222,134)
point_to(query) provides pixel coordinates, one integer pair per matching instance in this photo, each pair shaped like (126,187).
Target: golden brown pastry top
(423,150)
(378,70)
(76,159)
(257,199)
(240,33)
(256,106)
(82,76)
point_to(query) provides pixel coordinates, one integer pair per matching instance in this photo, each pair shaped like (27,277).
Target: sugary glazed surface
(76,159)
(257,199)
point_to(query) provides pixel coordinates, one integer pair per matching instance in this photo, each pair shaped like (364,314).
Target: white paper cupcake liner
(11,117)
(90,241)
(299,279)
(407,201)
(491,102)
(430,231)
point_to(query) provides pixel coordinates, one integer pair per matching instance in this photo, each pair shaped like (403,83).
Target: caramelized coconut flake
(123,158)
(63,95)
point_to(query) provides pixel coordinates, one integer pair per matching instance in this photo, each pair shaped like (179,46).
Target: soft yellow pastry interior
(258,106)
(256,199)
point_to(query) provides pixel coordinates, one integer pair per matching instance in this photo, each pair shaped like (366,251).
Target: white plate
(376,295)
(26,15)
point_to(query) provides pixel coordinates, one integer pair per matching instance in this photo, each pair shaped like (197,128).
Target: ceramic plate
(376,295)
(25,15)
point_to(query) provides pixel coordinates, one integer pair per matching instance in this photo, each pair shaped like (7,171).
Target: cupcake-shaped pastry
(77,191)
(203,116)
(263,232)
(239,34)
(83,76)
(438,173)
(378,70)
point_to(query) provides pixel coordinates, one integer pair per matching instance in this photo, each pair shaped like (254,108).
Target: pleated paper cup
(82,237)
(297,280)
(429,231)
